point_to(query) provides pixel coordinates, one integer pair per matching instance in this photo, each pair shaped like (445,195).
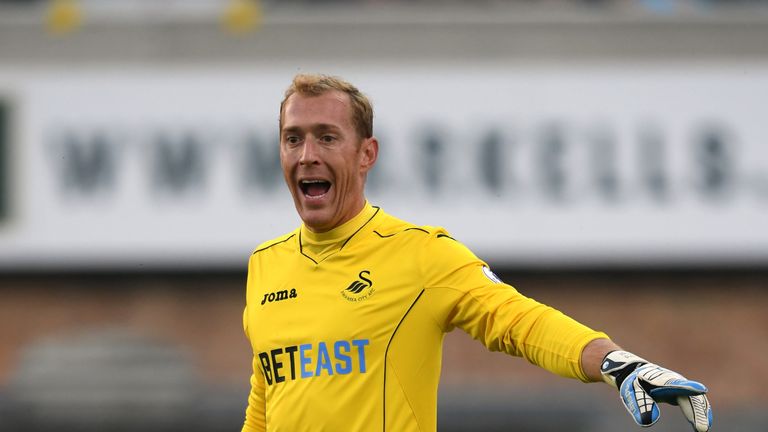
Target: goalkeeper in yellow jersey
(346,314)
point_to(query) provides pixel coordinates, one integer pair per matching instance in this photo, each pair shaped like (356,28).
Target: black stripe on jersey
(386,353)
(301,250)
(273,244)
(361,227)
(407,229)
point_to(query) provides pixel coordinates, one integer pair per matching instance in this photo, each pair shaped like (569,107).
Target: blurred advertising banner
(651,165)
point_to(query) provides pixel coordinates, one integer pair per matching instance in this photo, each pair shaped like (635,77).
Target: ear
(370,152)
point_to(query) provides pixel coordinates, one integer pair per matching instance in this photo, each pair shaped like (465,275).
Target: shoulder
(391,227)
(432,248)
(282,241)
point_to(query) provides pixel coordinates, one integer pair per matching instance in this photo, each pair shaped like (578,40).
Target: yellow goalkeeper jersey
(347,326)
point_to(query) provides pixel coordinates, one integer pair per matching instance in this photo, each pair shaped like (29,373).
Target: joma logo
(279,296)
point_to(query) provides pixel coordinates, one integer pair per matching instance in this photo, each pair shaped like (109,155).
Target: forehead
(330,108)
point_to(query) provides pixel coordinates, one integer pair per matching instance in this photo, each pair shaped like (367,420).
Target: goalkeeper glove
(641,384)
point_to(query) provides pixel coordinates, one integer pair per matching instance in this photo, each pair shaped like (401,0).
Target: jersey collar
(318,246)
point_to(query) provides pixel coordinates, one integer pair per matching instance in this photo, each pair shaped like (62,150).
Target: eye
(292,139)
(328,138)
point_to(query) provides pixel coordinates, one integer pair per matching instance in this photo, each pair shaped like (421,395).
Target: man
(346,314)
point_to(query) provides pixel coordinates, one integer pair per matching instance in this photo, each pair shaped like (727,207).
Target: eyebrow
(317,126)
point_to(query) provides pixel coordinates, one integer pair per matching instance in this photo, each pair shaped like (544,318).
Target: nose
(309,153)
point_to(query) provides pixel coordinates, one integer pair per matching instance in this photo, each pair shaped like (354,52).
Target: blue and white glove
(641,384)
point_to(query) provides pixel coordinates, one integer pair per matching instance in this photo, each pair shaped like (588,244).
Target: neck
(321,244)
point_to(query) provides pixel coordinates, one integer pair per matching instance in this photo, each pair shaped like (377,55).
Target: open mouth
(314,188)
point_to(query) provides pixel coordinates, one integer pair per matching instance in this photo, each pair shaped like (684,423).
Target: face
(324,160)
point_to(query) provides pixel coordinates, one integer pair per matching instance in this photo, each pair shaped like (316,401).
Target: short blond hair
(318,84)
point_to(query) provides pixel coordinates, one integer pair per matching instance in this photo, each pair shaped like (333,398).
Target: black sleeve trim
(407,229)
(273,244)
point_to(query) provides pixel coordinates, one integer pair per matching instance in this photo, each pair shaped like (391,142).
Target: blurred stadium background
(607,157)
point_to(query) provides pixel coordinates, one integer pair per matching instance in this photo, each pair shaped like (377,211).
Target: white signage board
(529,166)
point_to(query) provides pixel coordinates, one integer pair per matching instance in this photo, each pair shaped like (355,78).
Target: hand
(641,384)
